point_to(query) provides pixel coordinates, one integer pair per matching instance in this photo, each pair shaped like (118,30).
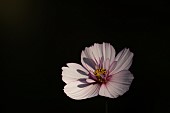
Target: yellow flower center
(98,73)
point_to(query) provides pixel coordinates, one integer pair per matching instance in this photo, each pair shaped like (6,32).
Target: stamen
(98,73)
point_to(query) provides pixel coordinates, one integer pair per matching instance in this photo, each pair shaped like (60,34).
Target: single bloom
(101,73)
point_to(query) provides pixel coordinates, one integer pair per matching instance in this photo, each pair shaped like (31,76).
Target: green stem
(106,106)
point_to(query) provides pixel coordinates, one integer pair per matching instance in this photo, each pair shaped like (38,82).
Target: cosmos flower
(101,73)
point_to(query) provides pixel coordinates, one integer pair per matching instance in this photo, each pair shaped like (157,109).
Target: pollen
(99,72)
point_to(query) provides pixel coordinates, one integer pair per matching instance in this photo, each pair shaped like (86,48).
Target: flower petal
(68,79)
(96,53)
(90,64)
(124,60)
(73,72)
(119,83)
(104,91)
(73,91)
(87,61)
(90,80)
(106,64)
(112,67)
(108,52)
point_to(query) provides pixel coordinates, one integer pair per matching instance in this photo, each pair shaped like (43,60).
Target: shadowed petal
(81,72)
(124,60)
(89,62)
(77,91)
(71,72)
(96,53)
(82,85)
(119,83)
(85,59)
(86,80)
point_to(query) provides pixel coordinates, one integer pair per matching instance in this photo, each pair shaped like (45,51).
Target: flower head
(101,73)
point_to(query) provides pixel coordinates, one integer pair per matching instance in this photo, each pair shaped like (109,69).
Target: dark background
(37,38)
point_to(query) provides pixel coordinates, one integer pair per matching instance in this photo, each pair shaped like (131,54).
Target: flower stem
(106,106)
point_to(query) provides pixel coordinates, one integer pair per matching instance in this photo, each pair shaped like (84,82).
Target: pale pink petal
(124,60)
(76,67)
(73,72)
(106,64)
(119,83)
(129,63)
(90,81)
(68,79)
(73,91)
(92,53)
(119,55)
(87,61)
(108,52)
(104,91)
(112,67)
(96,53)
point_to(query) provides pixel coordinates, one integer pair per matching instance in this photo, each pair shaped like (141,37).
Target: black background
(39,37)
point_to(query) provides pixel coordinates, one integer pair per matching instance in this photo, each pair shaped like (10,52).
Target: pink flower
(101,74)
